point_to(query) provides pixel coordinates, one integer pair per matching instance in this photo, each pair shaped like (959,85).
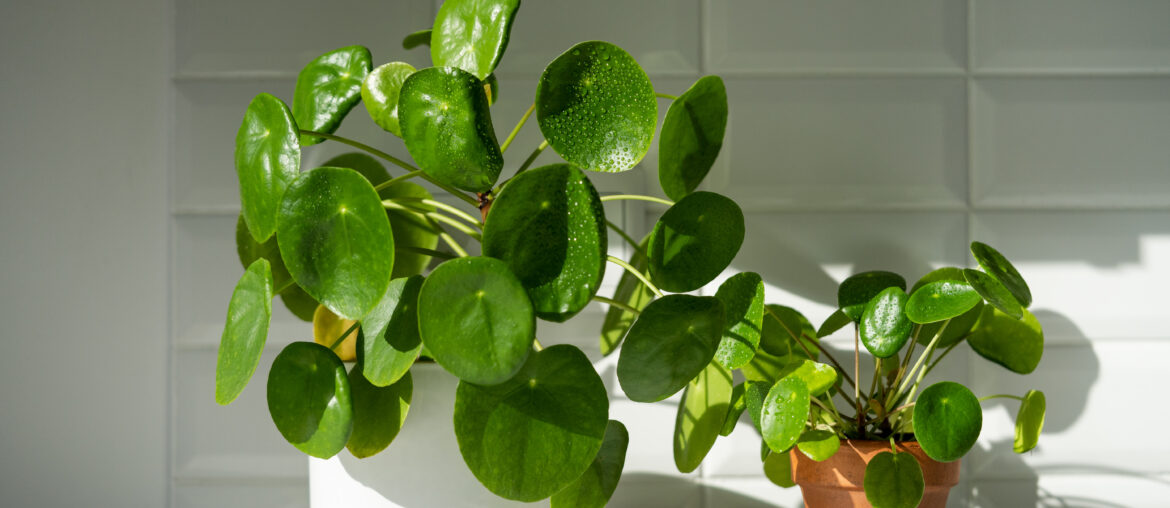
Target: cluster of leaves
(369,258)
(792,398)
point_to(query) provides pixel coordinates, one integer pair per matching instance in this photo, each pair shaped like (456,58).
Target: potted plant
(373,261)
(898,441)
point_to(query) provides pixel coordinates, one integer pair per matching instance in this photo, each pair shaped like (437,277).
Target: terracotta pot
(838,481)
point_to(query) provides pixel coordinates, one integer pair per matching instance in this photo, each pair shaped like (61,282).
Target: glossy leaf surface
(328,88)
(783,326)
(472,34)
(945,273)
(245,331)
(855,292)
(596,107)
(1016,344)
(994,292)
(268,160)
(884,325)
(476,319)
(692,135)
(836,321)
(380,92)
(336,241)
(416,39)
(535,434)
(672,341)
(818,445)
(778,469)
(947,421)
(630,291)
(784,413)
(596,485)
(957,329)
(701,415)
(378,412)
(743,305)
(549,227)
(298,302)
(754,394)
(1029,421)
(390,340)
(818,377)
(694,241)
(447,128)
(1002,270)
(328,328)
(894,481)
(941,300)
(309,399)
(735,409)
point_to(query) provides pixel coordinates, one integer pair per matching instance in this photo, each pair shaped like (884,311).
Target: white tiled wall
(863,135)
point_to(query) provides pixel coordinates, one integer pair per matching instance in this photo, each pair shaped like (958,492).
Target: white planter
(422,468)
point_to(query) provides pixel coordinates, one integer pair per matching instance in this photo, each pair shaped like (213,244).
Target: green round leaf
(701,415)
(309,399)
(535,434)
(754,394)
(328,88)
(549,227)
(743,304)
(784,413)
(596,485)
(447,127)
(947,421)
(298,302)
(416,39)
(694,241)
(336,241)
(268,160)
(836,321)
(380,94)
(994,292)
(818,377)
(596,107)
(818,445)
(363,163)
(783,326)
(735,409)
(893,481)
(944,273)
(778,469)
(884,325)
(1029,421)
(957,329)
(476,319)
(1017,344)
(692,135)
(378,412)
(630,291)
(472,34)
(245,331)
(765,366)
(389,333)
(941,300)
(673,340)
(855,292)
(1002,270)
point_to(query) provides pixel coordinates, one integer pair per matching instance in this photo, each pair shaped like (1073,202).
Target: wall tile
(754,36)
(749,493)
(662,35)
(1072,142)
(225,36)
(858,142)
(241,496)
(1093,271)
(1071,34)
(1091,487)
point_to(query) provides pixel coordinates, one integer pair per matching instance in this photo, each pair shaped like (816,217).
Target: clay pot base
(837,482)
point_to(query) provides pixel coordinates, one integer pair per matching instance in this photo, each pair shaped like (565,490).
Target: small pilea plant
(370,259)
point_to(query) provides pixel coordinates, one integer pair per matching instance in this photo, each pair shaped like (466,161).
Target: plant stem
(284,287)
(440,205)
(918,364)
(832,411)
(394,160)
(833,360)
(465,229)
(1001,396)
(343,336)
(397,179)
(634,271)
(625,236)
(857,374)
(665,96)
(426,252)
(639,197)
(877,371)
(515,130)
(943,355)
(443,235)
(617,304)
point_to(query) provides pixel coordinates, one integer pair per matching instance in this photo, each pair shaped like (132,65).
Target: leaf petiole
(634,271)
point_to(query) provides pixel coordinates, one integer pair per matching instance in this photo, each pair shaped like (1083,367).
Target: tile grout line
(171,392)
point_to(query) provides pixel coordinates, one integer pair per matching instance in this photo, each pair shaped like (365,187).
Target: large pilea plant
(372,260)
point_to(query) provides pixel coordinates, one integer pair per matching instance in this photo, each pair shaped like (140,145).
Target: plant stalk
(634,271)
(661,95)
(516,129)
(617,304)
(397,179)
(344,334)
(638,197)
